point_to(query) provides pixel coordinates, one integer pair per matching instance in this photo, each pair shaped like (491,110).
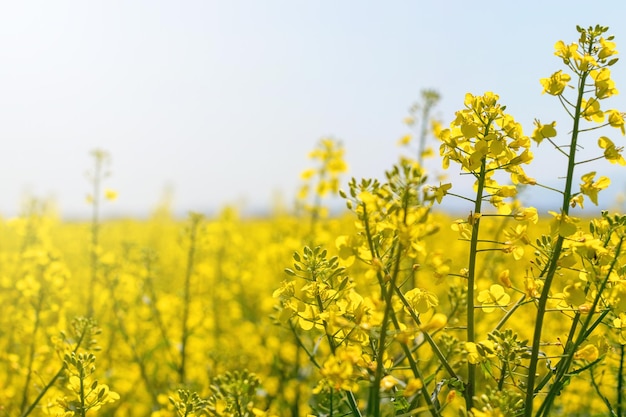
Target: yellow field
(160,285)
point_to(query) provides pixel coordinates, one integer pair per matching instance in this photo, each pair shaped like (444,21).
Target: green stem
(415,369)
(470,389)
(564,365)
(53,380)
(620,381)
(442,359)
(185,333)
(32,348)
(139,359)
(510,312)
(82,391)
(155,311)
(373,405)
(95,237)
(551,272)
(333,347)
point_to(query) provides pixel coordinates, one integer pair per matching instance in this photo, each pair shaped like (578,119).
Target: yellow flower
(574,295)
(412,387)
(542,131)
(577,200)
(620,325)
(605,86)
(563,224)
(486,412)
(421,300)
(479,352)
(607,49)
(388,382)
(505,278)
(307,174)
(590,188)
(463,227)
(110,195)
(337,165)
(405,140)
(507,191)
(616,119)
(556,83)
(441,191)
(527,214)
(611,153)
(588,353)
(585,62)
(339,369)
(493,297)
(567,52)
(437,321)
(592,111)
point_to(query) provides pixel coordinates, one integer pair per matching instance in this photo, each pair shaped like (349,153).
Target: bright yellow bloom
(556,83)
(567,52)
(611,153)
(607,49)
(507,191)
(493,297)
(339,369)
(620,325)
(605,86)
(577,200)
(527,214)
(616,119)
(585,62)
(421,300)
(463,227)
(591,110)
(591,188)
(542,131)
(441,191)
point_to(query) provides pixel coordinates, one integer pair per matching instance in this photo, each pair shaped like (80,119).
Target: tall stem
(95,235)
(193,231)
(556,253)
(620,382)
(32,348)
(470,389)
(570,349)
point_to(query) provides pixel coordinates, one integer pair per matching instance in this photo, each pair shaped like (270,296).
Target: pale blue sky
(222,100)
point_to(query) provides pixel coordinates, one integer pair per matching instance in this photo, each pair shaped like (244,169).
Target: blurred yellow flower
(110,195)
(404,140)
